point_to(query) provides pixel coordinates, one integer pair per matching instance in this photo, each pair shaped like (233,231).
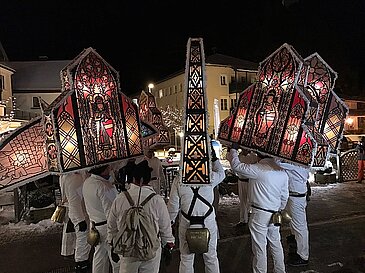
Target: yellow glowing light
(349,121)
(20,158)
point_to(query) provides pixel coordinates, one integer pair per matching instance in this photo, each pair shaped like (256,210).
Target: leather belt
(297,194)
(100,223)
(267,210)
(243,179)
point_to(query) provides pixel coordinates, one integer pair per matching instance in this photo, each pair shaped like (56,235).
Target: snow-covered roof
(37,75)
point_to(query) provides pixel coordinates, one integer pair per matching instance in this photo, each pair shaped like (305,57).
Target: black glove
(309,191)
(115,257)
(82,226)
(167,253)
(235,146)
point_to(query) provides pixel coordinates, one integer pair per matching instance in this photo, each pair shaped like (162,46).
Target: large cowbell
(195,162)
(91,123)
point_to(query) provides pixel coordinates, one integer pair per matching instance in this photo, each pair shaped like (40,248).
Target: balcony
(237,87)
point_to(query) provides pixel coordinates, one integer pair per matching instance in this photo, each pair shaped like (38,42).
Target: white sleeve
(248,170)
(173,205)
(218,173)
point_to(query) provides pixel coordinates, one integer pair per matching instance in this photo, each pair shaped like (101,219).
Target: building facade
(225,76)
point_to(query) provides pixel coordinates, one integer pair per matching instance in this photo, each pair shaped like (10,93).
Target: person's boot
(82,267)
(292,244)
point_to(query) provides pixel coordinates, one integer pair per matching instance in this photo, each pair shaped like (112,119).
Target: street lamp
(150,87)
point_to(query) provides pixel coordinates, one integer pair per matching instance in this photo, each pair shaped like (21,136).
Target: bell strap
(100,223)
(197,219)
(297,194)
(131,202)
(267,210)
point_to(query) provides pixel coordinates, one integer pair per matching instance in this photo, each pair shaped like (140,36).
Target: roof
(220,59)
(37,75)
(7,67)
(231,61)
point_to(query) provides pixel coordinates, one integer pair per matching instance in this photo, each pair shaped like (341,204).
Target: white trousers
(296,207)
(156,185)
(243,195)
(130,265)
(210,258)
(82,248)
(102,254)
(264,233)
(68,243)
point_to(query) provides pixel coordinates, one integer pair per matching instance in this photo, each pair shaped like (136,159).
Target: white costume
(297,203)
(158,178)
(243,187)
(68,243)
(156,207)
(269,193)
(72,186)
(99,194)
(180,199)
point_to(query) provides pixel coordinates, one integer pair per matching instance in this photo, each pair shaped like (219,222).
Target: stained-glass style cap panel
(332,128)
(94,122)
(23,156)
(195,169)
(148,131)
(291,112)
(270,113)
(149,112)
(51,147)
(332,111)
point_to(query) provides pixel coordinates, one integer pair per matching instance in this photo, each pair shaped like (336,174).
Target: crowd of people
(267,186)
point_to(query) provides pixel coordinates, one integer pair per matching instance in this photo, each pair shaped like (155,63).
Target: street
(336,217)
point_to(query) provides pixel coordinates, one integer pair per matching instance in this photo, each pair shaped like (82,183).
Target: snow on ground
(10,231)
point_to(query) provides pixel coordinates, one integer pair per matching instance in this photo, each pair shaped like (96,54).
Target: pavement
(336,220)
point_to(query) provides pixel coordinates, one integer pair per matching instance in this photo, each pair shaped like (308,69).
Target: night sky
(147,41)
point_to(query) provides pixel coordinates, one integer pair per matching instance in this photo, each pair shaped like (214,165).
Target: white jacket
(298,177)
(182,195)
(72,189)
(99,195)
(157,171)
(250,158)
(269,188)
(156,206)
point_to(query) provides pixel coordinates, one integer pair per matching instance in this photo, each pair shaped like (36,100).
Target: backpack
(138,236)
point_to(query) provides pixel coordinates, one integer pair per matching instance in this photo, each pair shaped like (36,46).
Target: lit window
(160,93)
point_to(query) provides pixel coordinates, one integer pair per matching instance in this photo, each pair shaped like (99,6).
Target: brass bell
(277,219)
(198,240)
(59,214)
(285,216)
(93,237)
